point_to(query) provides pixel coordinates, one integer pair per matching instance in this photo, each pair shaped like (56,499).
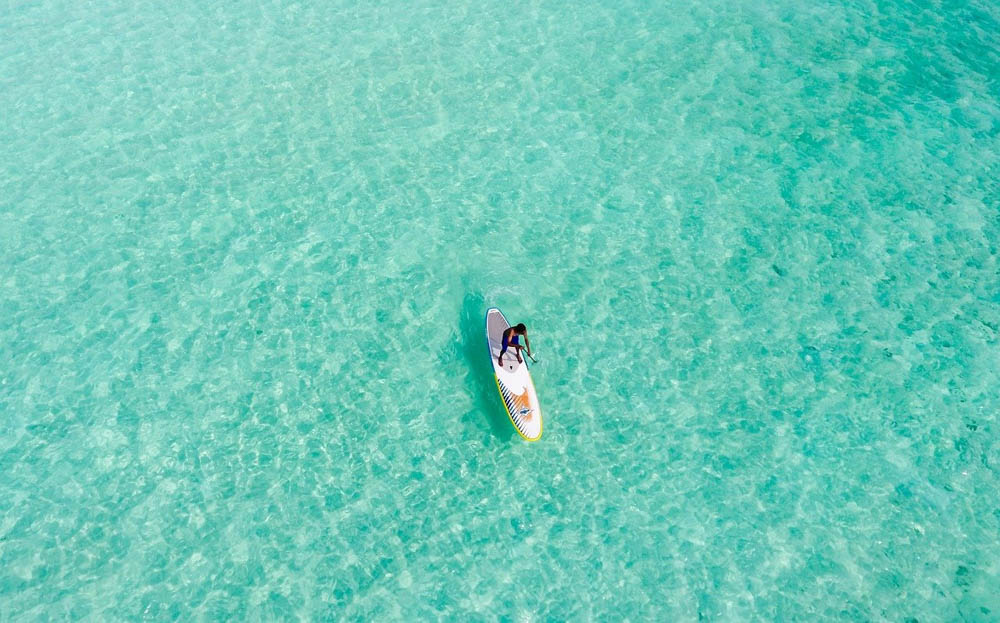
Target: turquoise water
(246,250)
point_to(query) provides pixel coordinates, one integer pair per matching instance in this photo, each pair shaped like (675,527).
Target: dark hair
(520,328)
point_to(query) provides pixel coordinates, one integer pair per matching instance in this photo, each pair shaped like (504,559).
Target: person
(511,339)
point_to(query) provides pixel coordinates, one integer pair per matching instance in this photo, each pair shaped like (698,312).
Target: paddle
(532,358)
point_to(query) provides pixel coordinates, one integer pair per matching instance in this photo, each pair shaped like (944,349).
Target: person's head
(520,329)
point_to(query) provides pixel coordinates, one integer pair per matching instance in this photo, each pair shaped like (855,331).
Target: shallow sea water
(247,247)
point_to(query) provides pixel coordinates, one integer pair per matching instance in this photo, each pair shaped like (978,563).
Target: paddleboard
(513,380)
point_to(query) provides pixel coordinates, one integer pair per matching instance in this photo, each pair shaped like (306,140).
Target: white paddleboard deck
(513,380)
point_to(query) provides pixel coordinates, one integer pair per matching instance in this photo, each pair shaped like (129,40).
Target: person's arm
(527,343)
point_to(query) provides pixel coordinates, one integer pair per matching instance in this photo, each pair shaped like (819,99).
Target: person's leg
(505,343)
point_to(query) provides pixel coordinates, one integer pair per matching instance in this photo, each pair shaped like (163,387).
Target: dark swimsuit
(505,343)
